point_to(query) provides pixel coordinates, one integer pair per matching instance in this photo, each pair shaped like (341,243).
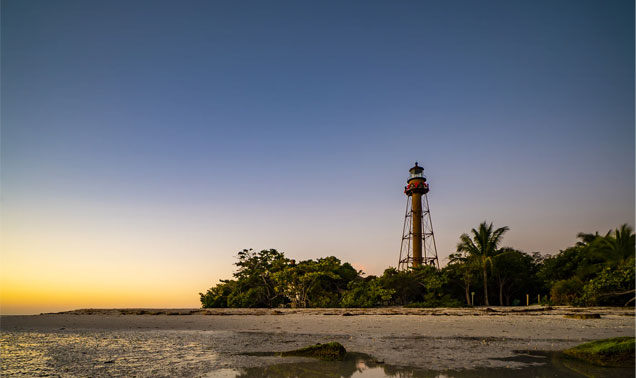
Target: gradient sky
(145,143)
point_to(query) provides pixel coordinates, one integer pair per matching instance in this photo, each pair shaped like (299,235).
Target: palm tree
(617,247)
(586,239)
(483,245)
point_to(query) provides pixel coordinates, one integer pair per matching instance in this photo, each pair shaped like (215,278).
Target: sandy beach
(195,342)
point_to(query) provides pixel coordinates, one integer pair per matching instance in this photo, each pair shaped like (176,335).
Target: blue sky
(182,132)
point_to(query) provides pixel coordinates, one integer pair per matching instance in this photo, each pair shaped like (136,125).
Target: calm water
(178,354)
(105,354)
(544,365)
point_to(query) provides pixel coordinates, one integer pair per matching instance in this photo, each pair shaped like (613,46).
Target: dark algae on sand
(329,352)
(616,351)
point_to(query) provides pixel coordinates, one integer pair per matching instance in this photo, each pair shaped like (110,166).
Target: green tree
(593,270)
(366,292)
(403,284)
(461,269)
(217,296)
(566,292)
(616,248)
(255,284)
(329,288)
(586,239)
(513,269)
(567,263)
(612,286)
(433,287)
(483,245)
(314,283)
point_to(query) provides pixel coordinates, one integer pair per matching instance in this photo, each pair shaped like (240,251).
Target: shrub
(610,287)
(566,292)
(432,300)
(366,293)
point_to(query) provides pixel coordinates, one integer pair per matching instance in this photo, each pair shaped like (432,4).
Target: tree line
(597,270)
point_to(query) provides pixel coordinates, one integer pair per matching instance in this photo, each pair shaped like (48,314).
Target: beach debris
(332,351)
(582,316)
(616,352)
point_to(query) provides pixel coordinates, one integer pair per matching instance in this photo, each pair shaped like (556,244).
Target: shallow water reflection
(103,354)
(543,365)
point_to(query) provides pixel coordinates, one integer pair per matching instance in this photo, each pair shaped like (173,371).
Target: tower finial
(416,164)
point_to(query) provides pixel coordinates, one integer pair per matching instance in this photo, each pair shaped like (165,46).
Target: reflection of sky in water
(541,365)
(23,357)
(103,354)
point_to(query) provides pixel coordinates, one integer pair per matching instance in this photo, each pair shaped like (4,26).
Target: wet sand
(194,342)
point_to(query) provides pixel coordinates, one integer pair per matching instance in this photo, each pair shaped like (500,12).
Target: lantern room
(416,182)
(416,172)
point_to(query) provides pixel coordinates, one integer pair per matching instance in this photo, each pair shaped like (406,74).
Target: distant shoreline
(439,311)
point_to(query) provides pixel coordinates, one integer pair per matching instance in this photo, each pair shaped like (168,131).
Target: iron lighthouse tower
(418,241)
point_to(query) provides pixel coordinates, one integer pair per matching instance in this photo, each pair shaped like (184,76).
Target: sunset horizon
(280,189)
(144,146)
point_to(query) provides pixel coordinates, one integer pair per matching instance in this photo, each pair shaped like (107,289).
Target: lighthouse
(418,240)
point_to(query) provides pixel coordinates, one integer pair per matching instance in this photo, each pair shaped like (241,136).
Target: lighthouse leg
(417,228)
